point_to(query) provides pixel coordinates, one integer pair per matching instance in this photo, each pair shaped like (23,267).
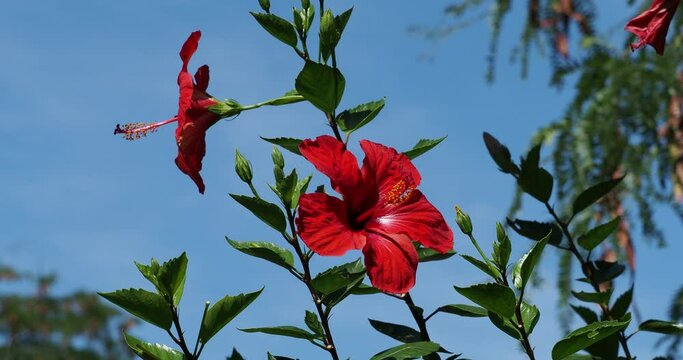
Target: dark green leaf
(537,230)
(500,154)
(593,194)
(338,277)
(621,305)
(290,144)
(364,289)
(530,316)
(265,250)
(598,298)
(502,247)
(463,310)
(222,312)
(493,297)
(265,211)
(588,315)
(321,85)
(662,327)
(481,265)
(525,266)
(280,28)
(505,325)
(354,119)
(597,235)
(289,331)
(275,357)
(149,351)
(235,355)
(171,278)
(407,351)
(533,179)
(422,147)
(427,255)
(146,305)
(398,332)
(605,271)
(314,324)
(607,348)
(583,337)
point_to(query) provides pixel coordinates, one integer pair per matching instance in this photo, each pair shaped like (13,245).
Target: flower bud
(278,159)
(463,220)
(243,167)
(265,5)
(305,4)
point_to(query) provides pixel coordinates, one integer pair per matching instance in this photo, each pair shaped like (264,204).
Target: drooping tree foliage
(624,118)
(39,325)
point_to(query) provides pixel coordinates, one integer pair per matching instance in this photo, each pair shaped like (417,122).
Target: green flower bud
(305,4)
(265,5)
(463,220)
(278,159)
(278,173)
(243,167)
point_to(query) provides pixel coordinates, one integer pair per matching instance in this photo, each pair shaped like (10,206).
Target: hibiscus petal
(189,47)
(652,25)
(331,158)
(418,219)
(323,225)
(202,78)
(394,173)
(191,151)
(391,262)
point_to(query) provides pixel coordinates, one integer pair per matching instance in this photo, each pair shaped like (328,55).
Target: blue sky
(82,202)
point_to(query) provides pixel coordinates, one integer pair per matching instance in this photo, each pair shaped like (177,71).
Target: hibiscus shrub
(380,211)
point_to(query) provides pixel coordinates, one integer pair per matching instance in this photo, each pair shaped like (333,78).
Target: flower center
(399,193)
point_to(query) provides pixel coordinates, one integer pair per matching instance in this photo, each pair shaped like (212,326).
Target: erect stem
(180,340)
(481,253)
(306,279)
(588,272)
(520,320)
(418,316)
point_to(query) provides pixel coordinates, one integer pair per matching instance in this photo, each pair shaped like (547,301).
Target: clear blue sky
(82,202)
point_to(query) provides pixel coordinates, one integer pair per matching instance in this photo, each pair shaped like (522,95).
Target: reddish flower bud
(652,25)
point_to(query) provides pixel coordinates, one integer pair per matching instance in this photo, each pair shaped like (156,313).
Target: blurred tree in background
(44,326)
(624,118)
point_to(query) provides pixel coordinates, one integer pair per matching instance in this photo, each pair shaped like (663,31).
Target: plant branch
(180,340)
(306,279)
(417,315)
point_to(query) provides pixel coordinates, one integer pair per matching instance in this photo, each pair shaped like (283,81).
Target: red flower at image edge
(381,213)
(194,116)
(652,25)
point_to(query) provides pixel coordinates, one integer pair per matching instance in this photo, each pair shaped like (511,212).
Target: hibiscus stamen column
(306,279)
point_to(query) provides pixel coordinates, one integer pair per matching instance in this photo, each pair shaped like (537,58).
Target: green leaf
(289,331)
(265,250)
(407,351)
(150,272)
(280,28)
(275,357)
(493,297)
(290,144)
(597,235)
(583,337)
(593,194)
(535,180)
(463,310)
(592,297)
(364,289)
(622,303)
(286,187)
(149,351)
(500,154)
(536,231)
(222,312)
(605,271)
(481,265)
(662,327)
(426,254)
(422,146)
(354,119)
(505,325)
(171,278)
(300,188)
(235,355)
(265,211)
(588,315)
(525,266)
(338,277)
(530,316)
(146,305)
(398,332)
(314,324)
(321,85)
(502,247)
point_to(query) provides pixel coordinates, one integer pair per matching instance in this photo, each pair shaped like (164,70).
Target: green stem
(481,253)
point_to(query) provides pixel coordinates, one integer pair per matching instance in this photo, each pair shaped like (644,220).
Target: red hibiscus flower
(652,25)
(194,117)
(381,212)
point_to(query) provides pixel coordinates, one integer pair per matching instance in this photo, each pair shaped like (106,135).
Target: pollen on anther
(399,193)
(134,131)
